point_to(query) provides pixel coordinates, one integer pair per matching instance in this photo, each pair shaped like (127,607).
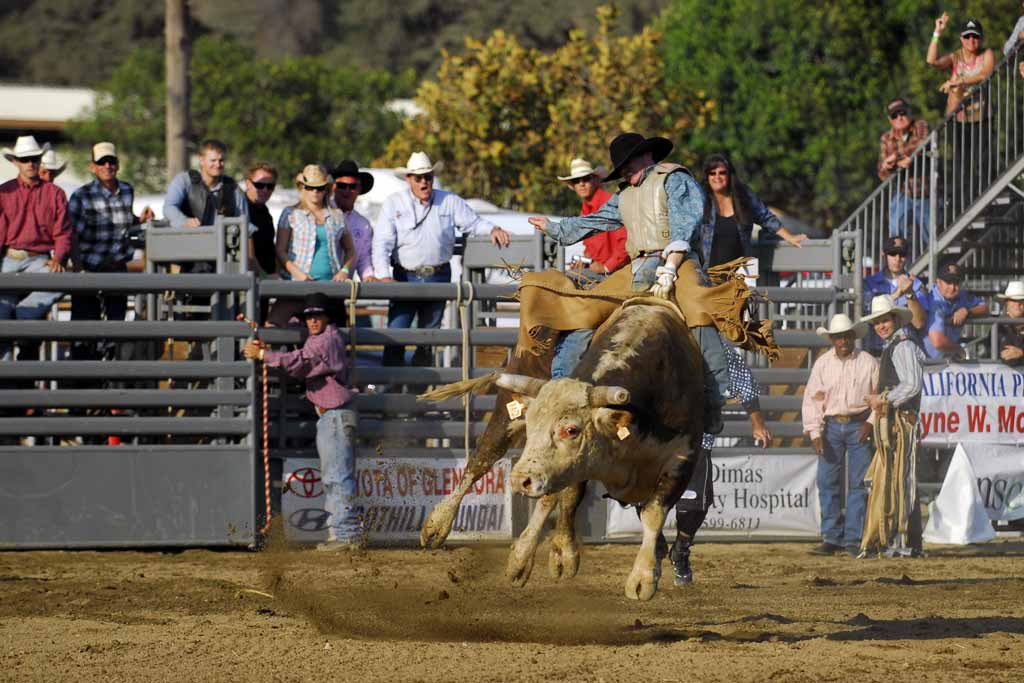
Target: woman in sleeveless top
(314,244)
(730,211)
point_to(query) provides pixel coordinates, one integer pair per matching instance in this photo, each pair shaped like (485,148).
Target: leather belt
(22,254)
(846,419)
(427,271)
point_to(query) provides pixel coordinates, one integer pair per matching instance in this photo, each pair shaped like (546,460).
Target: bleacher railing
(965,163)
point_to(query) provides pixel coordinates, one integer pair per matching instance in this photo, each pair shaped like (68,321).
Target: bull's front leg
(520,560)
(564,557)
(642,582)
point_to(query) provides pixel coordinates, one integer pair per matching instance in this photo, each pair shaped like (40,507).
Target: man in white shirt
(413,242)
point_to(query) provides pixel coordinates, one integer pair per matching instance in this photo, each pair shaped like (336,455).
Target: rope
(265,436)
(352,297)
(463,307)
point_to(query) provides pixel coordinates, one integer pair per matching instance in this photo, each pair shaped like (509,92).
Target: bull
(630,416)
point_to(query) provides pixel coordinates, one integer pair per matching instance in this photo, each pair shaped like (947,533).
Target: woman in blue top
(730,211)
(313,243)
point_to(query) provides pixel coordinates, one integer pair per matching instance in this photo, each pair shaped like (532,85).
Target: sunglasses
(971,36)
(718,172)
(896,114)
(425,178)
(263,186)
(30,160)
(901,254)
(347,186)
(321,188)
(107,161)
(580,181)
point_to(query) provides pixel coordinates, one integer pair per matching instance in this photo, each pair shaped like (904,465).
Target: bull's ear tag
(623,433)
(515,409)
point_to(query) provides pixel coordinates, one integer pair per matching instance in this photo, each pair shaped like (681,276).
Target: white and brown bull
(630,417)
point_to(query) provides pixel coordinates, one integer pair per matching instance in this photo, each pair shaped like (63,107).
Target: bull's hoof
(564,558)
(519,568)
(641,585)
(437,527)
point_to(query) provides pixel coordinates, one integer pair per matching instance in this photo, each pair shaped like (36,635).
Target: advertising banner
(763,494)
(972,403)
(394,497)
(984,483)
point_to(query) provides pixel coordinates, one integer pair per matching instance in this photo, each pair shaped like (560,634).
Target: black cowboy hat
(629,145)
(351,168)
(317,302)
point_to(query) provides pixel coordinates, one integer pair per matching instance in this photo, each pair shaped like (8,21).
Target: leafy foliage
(295,111)
(507,119)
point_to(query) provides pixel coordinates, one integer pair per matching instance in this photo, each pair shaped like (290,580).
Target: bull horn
(609,396)
(520,384)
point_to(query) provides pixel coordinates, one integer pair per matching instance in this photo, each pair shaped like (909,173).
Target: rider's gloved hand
(665,282)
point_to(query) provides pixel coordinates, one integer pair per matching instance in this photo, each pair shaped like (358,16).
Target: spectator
(321,363)
(51,166)
(313,243)
(196,198)
(896,149)
(603,252)
(893,524)
(949,306)
(835,414)
(349,183)
(102,214)
(413,242)
(894,280)
(1011,337)
(730,211)
(35,230)
(1016,36)
(260,181)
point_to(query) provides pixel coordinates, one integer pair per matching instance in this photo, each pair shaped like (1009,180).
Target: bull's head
(570,427)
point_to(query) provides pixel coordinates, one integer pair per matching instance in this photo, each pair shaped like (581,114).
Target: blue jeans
(839,440)
(33,306)
(428,315)
(912,210)
(335,436)
(569,349)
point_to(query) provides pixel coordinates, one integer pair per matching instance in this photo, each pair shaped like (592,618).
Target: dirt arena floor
(758,612)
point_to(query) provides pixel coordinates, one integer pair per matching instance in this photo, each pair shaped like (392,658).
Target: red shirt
(608,248)
(35,218)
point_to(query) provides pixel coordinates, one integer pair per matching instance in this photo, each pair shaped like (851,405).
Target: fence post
(933,205)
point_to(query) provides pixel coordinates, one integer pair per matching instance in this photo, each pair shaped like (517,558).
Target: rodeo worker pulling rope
(322,363)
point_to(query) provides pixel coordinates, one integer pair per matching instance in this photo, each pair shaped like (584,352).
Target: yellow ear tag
(623,433)
(515,409)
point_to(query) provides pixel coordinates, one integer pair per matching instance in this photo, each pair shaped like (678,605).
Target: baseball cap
(103,149)
(972,27)
(951,273)
(895,245)
(898,104)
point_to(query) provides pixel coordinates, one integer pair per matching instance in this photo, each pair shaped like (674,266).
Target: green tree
(507,119)
(294,111)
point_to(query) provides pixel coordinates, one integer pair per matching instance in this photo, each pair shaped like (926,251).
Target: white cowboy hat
(581,168)
(1014,291)
(25,146)
(419,164)
(883,305)
(51,162)
(841,323)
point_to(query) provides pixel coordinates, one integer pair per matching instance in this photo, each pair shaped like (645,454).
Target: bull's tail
(480,385)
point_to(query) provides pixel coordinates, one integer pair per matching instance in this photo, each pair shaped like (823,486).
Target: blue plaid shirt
(101,219)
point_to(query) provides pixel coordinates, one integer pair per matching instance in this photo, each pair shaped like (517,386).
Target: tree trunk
(177,57)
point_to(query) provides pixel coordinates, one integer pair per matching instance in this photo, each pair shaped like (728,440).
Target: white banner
(972,403)
(394,497)
(984,483)
(767,494)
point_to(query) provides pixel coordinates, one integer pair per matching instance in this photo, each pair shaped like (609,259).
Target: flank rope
(464,310)
(265,436)
(352,299)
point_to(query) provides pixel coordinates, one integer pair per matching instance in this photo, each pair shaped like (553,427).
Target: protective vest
(644,211)
(887,377)
(200,199)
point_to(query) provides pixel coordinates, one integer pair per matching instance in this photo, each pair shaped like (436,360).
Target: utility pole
(176,57)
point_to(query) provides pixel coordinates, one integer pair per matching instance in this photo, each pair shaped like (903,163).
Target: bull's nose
(528,484)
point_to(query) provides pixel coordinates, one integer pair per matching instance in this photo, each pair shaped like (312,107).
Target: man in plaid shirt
(101,213)
(895,155)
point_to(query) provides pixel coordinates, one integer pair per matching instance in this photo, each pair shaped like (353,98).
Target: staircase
(968,206)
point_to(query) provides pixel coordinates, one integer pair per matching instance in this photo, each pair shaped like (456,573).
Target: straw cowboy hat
(314,175)
(419,164)
(882,305)
(51,162)
(630,145)
(25,146)
(581,168)
(840,324)
(1014,291)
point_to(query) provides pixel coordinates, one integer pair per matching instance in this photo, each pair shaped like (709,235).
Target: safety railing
(962,167)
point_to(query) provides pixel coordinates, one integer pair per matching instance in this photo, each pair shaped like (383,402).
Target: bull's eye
(569,431)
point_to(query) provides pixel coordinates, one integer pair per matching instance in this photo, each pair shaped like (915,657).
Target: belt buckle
(17,254)
(426,271)
(841,419)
